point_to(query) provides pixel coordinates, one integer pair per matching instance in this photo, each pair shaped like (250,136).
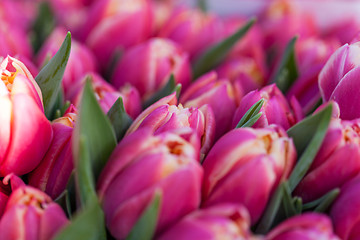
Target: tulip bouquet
(152,119)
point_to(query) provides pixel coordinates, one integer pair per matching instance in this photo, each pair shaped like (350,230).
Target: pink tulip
(275,110)
(106,94)
(208,89)
(345,209)
(25,133)
(338,80)
(140,166)
(309,226)
(245,166)
(13,40)
(342,140)
(227,221)
(148,66)
(115,25)
(9,184)
(53,172)
(31,214)
(81,59)
(193,30)
(165,115)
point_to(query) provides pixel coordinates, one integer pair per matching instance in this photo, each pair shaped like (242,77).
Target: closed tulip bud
(338,80)
(208,89)
(148,66)
(81,59)
(31,214)
(165,115)
(115,25)
(52,174)
(245,166)
(345,211)
(140,166)
(107,95)
(309,226)
(25,133)
(341,140)
(275,110)
(225,221)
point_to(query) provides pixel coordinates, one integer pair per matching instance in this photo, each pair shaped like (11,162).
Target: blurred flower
(309,226)
(245,166)
(148,66)
(53,172)
(226,221)
(275,110)
(31,214)
(140,166)
(25,133)
(13,40)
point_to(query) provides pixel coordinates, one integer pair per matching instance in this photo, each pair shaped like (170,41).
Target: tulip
(140,166)
(106,94)
(345,209)
(227,221)
(31,214)
(81,59)
(115,25)
(275,110)
(341,141)
(208,89)
(25,133)
(193,30)
(52,174)
(148,66)
(13,40)
(245,166)
(165,115)
(10,183)
(338,80)
(309,226)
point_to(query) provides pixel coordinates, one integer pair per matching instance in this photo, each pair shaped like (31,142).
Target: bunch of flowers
(156,120)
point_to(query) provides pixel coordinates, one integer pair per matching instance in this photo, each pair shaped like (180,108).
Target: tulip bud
(245,166)
(140,166)
(53,172)
(106,94)
(345,211)
(275,110)
(309,226)
(342,140)
(148,66)
(81,59)
(208,89)
(193,30)
(338,80)
(226,221)
(25,133)
(31,214)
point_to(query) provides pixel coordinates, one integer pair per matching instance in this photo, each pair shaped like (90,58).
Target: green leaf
(308,136)
(252,115)
(168,89)
(298,204)
(144,228)
(202,5)
(96,128)
(321,204)
(272,208)
(217,53)
(88,224)
(288,203)
(64,201)
(287,72)
(50,76)
(119,119)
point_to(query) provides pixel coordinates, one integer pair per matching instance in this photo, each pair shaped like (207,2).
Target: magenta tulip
(9,184)
(140,166)
(25,133)
(309,226)
(275,110)
(53,172)
(13,40)
(245,166)
(31,215)
(148,66)
(226,221)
